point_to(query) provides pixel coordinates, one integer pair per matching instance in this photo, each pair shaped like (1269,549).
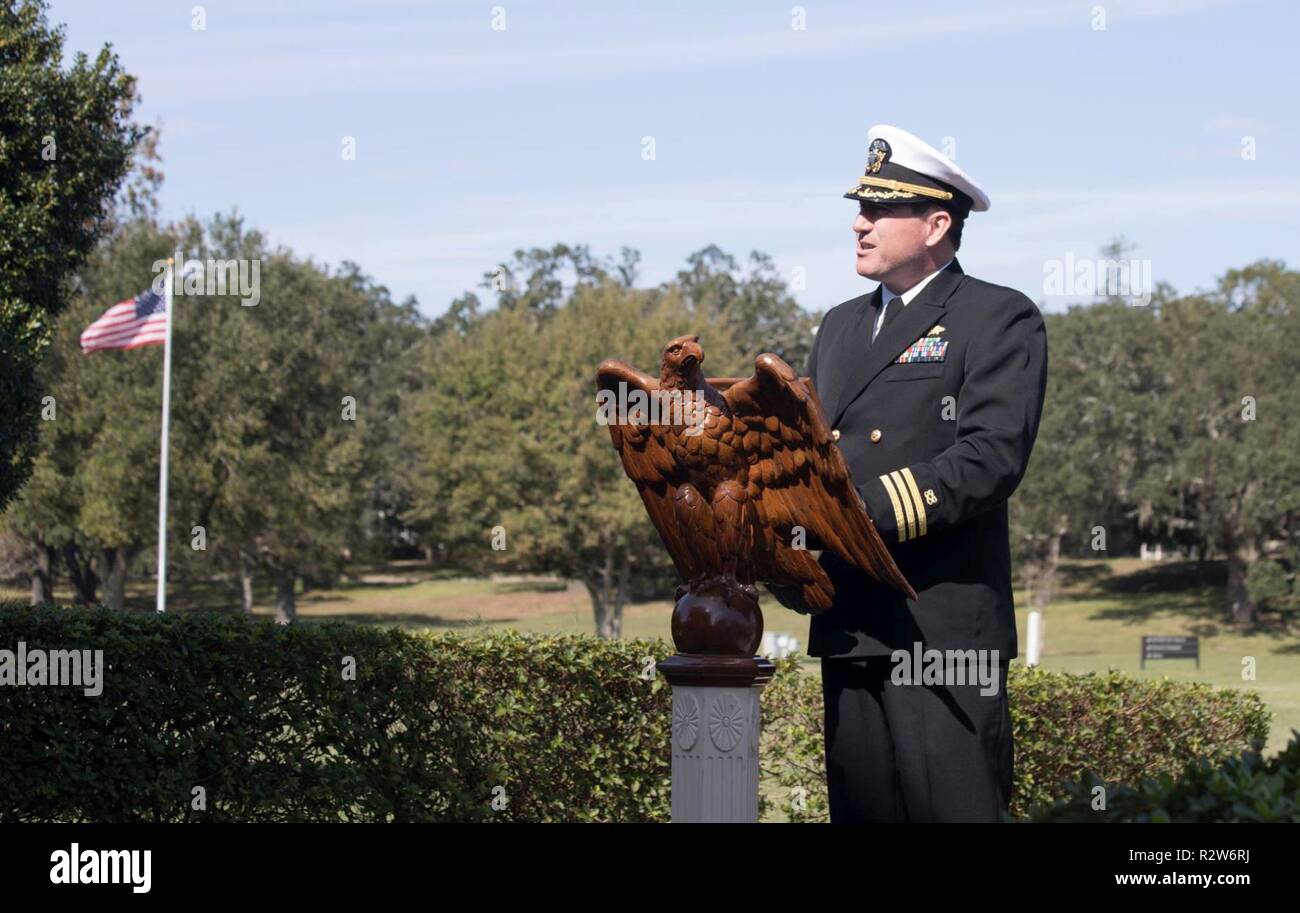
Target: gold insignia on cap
(877,155)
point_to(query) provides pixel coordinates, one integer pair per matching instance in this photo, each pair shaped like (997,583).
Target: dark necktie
(891,311)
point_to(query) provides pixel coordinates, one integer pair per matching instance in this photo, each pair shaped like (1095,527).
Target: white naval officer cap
(902,168)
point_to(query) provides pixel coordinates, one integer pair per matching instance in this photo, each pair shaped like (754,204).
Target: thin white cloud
(1236,124)
(313,55)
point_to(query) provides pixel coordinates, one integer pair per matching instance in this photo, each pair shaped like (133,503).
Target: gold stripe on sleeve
(916,499)
(906,503)
(904,531)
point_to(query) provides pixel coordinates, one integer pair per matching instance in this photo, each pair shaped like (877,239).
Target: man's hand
(789,596)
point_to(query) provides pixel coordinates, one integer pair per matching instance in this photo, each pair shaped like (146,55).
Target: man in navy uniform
(933,385)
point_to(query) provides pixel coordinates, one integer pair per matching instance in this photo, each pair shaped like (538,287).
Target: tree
(756,306)
(1230,449)
(1169,421)
(1097,437)
(265,455)
(582,518)
(92,498)
(509,468)
(65,144)
(281,417)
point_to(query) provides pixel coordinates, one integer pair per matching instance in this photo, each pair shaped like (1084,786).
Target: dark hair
(958,223)
(954,231)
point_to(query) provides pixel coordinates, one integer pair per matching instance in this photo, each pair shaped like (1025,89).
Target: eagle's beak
(692,350)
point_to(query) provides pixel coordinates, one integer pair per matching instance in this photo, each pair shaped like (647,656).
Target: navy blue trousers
(905,753)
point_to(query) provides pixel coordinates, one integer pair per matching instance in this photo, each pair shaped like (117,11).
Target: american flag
(139,321)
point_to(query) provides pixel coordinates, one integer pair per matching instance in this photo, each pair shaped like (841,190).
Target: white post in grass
(166,418)
(1033,654)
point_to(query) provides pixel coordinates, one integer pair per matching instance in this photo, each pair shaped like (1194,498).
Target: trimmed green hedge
(260,716)
(503,726)
(1121,727)
(1244,788)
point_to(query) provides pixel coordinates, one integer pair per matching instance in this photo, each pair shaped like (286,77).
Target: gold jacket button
(835,435)
(876,435)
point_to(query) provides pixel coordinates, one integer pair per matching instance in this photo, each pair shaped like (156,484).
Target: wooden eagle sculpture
(728,475)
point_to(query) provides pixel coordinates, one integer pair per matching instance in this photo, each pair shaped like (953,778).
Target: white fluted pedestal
(715,735)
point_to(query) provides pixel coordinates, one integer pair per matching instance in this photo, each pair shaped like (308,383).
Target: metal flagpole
(166,420)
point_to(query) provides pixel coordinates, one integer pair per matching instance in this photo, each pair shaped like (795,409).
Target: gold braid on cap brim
(901,187)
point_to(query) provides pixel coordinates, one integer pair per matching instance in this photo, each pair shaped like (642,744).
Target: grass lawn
(1098,620)
(1095,623)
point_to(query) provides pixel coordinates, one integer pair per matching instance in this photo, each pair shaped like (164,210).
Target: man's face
(891,237)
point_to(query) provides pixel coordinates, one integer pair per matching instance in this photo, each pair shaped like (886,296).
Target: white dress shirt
(887,296)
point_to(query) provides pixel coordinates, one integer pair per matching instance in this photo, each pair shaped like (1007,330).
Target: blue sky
(473,141)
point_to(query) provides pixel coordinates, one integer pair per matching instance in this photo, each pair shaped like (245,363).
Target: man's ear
(939,222)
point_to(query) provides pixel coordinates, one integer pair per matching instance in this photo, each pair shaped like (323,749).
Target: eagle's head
(681,365)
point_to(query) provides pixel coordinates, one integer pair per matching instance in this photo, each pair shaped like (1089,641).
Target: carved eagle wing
(800,477)
(648,461)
